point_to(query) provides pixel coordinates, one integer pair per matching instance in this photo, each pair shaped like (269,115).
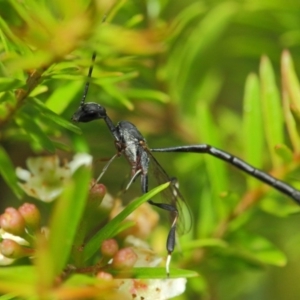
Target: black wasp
(130,143)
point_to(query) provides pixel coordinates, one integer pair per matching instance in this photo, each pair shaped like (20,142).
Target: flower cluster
(18,227)
(45,180)
(137,254)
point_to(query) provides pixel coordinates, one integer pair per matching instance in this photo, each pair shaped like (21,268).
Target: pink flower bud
(31,215)
(12,249)
(12,221)
(109,248)
(96,194)
(104,275)
(124,259)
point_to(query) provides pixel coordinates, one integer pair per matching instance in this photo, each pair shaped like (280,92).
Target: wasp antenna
(86,88)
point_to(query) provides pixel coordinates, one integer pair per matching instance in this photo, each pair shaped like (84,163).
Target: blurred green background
(177,70)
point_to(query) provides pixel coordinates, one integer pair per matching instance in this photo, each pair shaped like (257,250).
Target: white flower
(158,289)
(148,289)
(45,178)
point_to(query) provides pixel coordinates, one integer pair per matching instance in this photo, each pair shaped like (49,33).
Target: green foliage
(184,72)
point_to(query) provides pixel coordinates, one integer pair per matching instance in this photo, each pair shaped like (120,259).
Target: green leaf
(208,89)
(66,218)
(114,93)
(19,280)
(134,42)
(7,170)
(110,78)
(81,279)
(253,126)
(209,242)
(209,134)
(8,297)
(40,89)
(70,77)
(62,96)
(241,220)
(63,67)
(290,98)
(7,84)
(134,20)
(278,209)
(125,226)
(267,253)
(272,111)
(54,117)
(64,147)
(210,29)
(22,274)
(154,273)
(111,228)
(284,152)
(33,129)
(257,248)
(290,81)
(79,144)
(185,16)
(3,38)
(147,94)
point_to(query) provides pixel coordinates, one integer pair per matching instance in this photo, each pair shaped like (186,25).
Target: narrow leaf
(155,273)
(291,98)
(284,152)
(208,89)
(216,168)
(66,217)
(112,91)
(21,274)
(272,111)
(7,84)
(62,96)
(111,228)
(33,129)
(209,29)
(252,125)
(19,280)
(7,170)
(55,118)
(209,242)
(8,297)
(291,81)
(148,94)
(255,247)
(112,77)
(186,15)
(275,208)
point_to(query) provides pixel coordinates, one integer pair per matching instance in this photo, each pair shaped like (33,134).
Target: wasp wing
(171,195)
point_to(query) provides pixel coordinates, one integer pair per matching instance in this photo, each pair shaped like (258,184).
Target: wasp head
(88,112)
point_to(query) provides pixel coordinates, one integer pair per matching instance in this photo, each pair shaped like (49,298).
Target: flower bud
(109,248)
(124,259)
(96,194)
(31,215)
(12,249)
(12,221)
(104,275)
